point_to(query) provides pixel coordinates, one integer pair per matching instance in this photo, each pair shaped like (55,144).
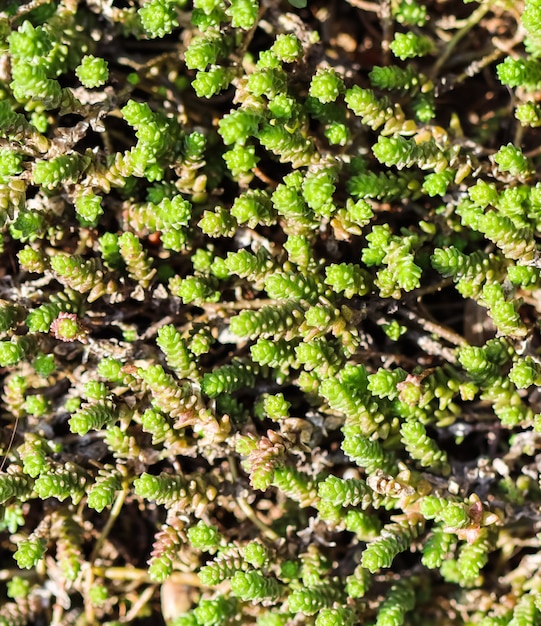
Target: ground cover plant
(270,283)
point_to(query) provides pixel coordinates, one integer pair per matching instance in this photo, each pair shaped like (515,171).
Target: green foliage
(205,49)
(88,207)
(341,492)
(195,289)
(529,114)
(410,12)
(453,515)
(32,81)
(209,83)
(204,537)
(409,45)
(59,170)
(349,395)
(525,372)
(253,208)
(79,274)
(278,354)
(525,612)
(520,72)
(336,617)
(269,312)
(10,353)
(104,489)
(393,539)
(312,599)
(510,159)
(473,557)
(287,47)
(229,378)
(177,354)
(14,485)
(29,552)
(256,554)
(68,546)
(215,612)
(483,363)
(421,447)
(243,13)
(241,159)
(268,321)
(296,485)
(254,586)
(138,265)
(357,584)
(10,164)
(402,152)
(92,417)
(158,17)
(365,526)
(224,566)
(347,278)
(326,85)
(399,600)
(93,71)
(383,186)
(436,548)
(62,482)
(161,489)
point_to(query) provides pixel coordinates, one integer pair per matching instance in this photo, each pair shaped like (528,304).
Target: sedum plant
(269,295)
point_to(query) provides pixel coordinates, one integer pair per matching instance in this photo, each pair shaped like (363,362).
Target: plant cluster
(269,299)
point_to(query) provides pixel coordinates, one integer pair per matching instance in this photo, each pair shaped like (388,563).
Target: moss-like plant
(269,301)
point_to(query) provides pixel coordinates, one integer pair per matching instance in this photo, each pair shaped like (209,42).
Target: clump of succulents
(269,300)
